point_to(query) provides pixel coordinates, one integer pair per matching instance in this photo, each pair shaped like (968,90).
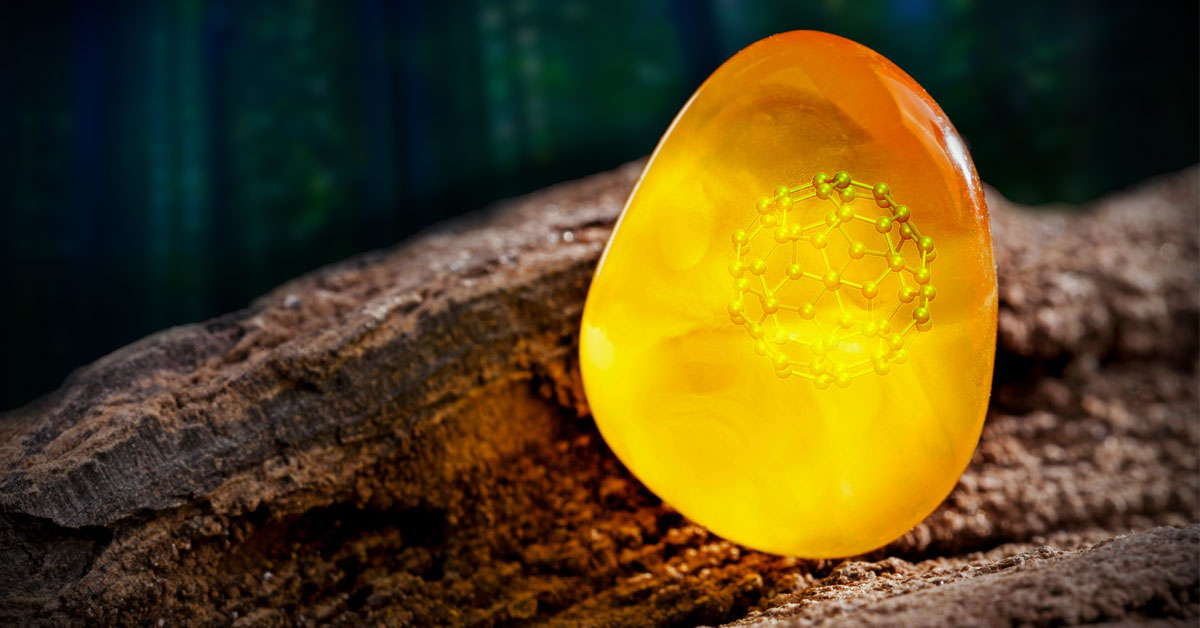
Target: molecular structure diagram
(813,287)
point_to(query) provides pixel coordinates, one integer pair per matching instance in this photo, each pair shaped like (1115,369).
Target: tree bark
(402,438)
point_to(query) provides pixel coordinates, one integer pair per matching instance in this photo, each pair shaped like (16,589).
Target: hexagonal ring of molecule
(832,280)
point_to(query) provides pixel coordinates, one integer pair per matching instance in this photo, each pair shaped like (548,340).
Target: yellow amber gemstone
(768,342)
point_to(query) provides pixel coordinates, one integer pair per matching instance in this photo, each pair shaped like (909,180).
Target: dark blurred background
(165,162)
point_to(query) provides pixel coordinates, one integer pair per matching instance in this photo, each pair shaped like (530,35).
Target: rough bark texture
(402,439)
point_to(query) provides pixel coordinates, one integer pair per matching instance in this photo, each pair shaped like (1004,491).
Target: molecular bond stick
(814,288)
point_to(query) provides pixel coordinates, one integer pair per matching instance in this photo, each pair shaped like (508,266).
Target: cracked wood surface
(402,438)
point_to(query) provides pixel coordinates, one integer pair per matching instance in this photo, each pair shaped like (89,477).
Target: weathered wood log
(402,438)
(1140,578)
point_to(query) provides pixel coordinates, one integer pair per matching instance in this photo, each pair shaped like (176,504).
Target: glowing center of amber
(825,287)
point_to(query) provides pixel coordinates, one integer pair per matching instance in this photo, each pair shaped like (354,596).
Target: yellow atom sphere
(790,336)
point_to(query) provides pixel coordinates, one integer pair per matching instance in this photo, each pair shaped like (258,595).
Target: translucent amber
(790,336)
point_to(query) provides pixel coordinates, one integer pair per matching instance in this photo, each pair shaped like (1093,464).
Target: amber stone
(790,336)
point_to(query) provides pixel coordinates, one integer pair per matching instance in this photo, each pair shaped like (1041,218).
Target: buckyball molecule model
(790,336)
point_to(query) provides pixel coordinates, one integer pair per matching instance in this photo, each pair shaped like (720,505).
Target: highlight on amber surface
(768,343)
